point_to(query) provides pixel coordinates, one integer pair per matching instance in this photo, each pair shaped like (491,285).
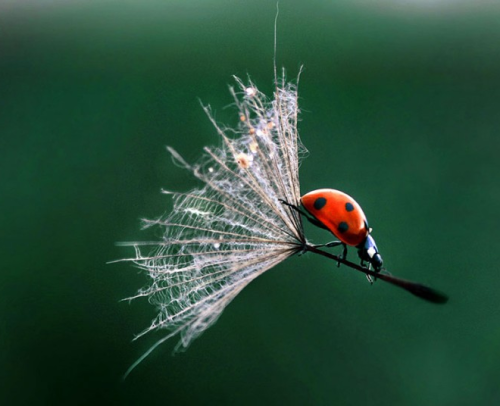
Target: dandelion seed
(253,147)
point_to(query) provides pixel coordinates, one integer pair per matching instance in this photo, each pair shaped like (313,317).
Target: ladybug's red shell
(338,212)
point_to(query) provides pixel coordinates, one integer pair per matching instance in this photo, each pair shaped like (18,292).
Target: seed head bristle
(220,237)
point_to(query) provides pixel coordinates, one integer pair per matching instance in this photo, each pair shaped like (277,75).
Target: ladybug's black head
(368,251)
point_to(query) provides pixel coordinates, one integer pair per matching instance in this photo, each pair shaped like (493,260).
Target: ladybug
(340,214)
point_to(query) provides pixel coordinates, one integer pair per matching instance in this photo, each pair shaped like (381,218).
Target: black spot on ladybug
(319,203)
(349,206)
(343,227)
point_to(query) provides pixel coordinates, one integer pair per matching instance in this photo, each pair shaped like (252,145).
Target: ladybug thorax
(338,212)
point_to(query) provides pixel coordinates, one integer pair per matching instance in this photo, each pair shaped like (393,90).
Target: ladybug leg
(317,223)
(329,244)
(368,277)
(312,220)
(344,254)
(335,244)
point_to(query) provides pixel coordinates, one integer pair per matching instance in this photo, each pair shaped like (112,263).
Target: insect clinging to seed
(245,218)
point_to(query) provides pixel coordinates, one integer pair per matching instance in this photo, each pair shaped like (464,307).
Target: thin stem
(417,289)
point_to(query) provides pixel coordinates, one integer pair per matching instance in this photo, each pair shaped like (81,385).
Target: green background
(400,106)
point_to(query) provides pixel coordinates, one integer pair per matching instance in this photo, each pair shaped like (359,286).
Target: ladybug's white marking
(371,252)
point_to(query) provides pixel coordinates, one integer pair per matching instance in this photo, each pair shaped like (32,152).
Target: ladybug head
(368,251)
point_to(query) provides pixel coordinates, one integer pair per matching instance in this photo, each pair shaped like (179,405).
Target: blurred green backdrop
(400,106)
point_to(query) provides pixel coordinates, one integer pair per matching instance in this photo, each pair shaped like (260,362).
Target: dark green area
(400,109)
